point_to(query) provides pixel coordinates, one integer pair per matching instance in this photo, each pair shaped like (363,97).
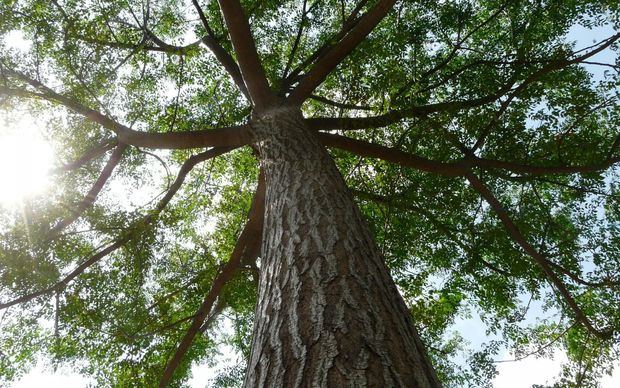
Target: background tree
(477,145)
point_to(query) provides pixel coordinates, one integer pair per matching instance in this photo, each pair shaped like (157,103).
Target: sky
(31,176)
(26,168)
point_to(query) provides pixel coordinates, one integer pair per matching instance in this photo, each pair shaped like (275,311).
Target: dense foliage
(522,123)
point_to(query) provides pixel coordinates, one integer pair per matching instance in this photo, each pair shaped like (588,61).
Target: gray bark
(328,312)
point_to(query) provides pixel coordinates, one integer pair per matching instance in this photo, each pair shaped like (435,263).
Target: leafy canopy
(474,135)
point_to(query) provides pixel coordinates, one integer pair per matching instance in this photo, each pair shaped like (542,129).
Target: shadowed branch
(246,245)
(393,155)
(340,51)
(223,56)
(245,49)
(540,170)
(456,168)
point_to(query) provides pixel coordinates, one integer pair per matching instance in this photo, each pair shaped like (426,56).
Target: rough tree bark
(328,312)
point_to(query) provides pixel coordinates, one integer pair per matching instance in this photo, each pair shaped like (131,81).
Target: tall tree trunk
(328,312)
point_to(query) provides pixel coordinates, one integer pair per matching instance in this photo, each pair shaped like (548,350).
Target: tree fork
(328,312)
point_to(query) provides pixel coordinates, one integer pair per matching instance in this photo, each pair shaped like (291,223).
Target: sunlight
(25,158)
(16,40)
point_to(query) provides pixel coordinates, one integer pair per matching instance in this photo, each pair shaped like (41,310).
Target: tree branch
(300,29)
(166,47)
(540,349)
(396,156)
(223,56)
(395,116)
(92,194)
(538,258)
(457,46)
(245,244)
(78,270)
(91,154)
(337,104)
(458,168)
(341,50)
(160,46)
(436,222)
(209,40)
(539,170)
(325,47)
(393,155)
(220,137)
(535,76)
(606,282)
(251,68)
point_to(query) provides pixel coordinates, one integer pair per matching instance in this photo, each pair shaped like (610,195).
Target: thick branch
(341,50)
(393,155)
(92,194)
(249,62)
(245,245)
(348,24)
(211,41)
(221,137)
(516,235)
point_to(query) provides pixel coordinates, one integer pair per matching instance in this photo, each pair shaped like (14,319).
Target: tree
(371,167)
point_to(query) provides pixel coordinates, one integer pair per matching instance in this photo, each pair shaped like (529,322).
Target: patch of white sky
(25,158)
(23,173)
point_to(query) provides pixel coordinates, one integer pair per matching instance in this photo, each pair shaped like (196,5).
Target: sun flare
(25,159)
